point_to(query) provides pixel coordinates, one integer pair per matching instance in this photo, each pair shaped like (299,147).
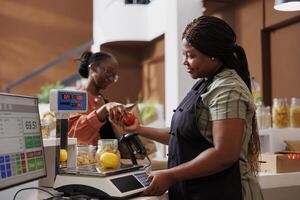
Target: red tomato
(129,119)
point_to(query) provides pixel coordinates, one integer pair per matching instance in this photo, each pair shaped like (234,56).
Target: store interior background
(35,33)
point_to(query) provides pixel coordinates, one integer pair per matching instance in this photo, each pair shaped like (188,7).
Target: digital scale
(128,180)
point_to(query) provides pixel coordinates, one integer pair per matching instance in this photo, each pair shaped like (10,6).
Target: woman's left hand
(160,183)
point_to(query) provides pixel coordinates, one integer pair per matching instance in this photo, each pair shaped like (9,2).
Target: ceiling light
(287,5)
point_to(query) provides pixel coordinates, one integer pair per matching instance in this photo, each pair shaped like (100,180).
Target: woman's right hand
(115,111)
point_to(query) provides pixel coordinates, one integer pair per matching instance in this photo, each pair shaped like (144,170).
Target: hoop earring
(212,58)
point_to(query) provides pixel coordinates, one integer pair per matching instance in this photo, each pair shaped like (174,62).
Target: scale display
(21,147)
(68,101)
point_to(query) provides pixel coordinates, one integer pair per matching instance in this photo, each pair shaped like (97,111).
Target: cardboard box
(279,163)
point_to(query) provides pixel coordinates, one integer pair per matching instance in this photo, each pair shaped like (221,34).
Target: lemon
(109,160)
(63,155)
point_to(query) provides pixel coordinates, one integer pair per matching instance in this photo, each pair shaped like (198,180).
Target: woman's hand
(115,111)
(160,182)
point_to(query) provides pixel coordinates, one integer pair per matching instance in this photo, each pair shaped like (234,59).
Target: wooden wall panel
(247,24)
(141,71)
(285,62)
(129,85)
(34,32)
(154,72)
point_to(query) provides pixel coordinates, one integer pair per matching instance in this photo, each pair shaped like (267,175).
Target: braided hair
(215,38)
(88,58)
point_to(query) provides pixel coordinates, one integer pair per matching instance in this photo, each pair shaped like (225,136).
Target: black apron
(186,142)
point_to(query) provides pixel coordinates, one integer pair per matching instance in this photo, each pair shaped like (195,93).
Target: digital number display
(71,100)
(79,97)
(30,125)
(69,97)
(66,97)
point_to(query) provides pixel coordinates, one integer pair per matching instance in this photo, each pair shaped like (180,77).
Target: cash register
(21,147)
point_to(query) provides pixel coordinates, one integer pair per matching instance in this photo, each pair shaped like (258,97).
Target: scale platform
(93,170)
(127,181)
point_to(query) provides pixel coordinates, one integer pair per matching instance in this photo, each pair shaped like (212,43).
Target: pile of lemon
(108,160)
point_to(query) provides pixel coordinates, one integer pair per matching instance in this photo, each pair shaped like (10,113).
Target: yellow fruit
(109,160)
(63,155)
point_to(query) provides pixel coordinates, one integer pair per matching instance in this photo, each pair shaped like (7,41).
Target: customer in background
(213,139)
(101,70)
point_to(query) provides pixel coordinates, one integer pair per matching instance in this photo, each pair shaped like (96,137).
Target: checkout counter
(20,115)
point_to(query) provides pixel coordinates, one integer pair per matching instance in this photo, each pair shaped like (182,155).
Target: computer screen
(21,147)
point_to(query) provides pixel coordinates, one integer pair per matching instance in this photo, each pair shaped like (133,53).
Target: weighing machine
(128,180)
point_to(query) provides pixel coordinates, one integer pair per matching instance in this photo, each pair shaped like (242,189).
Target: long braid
(214,37)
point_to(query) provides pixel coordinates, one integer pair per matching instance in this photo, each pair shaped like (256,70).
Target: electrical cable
(32,188)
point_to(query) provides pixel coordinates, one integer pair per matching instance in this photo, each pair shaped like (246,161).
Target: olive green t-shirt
(228,97)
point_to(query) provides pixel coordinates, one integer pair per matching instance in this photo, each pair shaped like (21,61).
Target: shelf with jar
(283,115)
(274,139)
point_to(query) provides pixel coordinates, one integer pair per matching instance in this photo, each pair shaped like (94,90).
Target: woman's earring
(212,58)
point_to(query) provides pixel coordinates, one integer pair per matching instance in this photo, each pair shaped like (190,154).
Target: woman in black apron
(222,165)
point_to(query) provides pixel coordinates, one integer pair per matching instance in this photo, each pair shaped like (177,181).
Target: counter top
(276,180)
(49,142)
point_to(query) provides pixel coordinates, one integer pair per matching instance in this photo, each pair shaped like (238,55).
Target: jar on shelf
(45,127)
(85,155)
(267,119)
(280,113)
(108,155)
(263,116)
(295,112)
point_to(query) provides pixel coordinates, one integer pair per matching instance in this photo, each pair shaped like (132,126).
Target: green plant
(45,91)
(148,113)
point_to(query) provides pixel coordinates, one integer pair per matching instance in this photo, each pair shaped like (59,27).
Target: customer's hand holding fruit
(130,123)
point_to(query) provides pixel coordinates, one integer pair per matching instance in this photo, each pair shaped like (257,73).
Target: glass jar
(280,113)
(263,116)
(295,112)
(267,118)
(45,127)
(85,155)
(259,116)
(108,155)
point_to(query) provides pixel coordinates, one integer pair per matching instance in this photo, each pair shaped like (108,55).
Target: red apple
(129,119)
